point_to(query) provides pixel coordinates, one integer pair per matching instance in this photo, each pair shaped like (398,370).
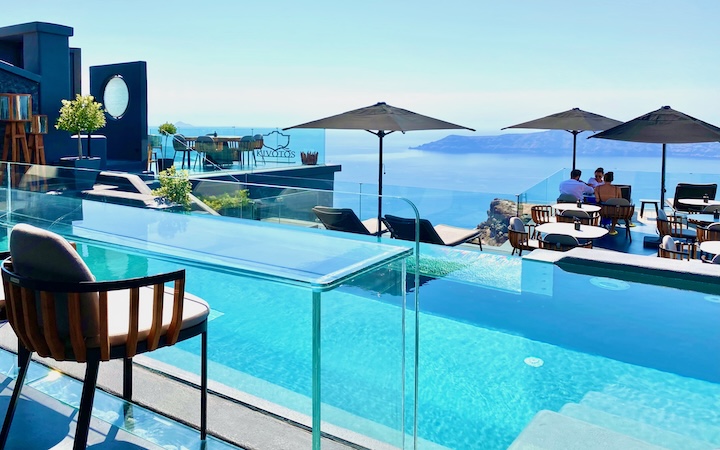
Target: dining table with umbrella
(385,119)
(574,121)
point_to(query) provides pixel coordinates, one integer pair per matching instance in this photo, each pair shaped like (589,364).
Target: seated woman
(605,192)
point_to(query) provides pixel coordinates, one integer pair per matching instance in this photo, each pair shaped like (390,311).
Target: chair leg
(203,387)
(86,402)
(127,379)
(23,363)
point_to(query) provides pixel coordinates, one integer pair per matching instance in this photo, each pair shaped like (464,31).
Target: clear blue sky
(482,64)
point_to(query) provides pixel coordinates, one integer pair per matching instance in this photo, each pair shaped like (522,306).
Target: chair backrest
(180,143)
(709,233)
(567,198)
(402,228)
(617,201)
(668,248)
(246,144)
(45,256)
(205,144)
(690,190)
(576,213)
(516,224)
(340,219)
(258,142)
(661,214)
(560,242)
(541,214)
(569,216)
(711,209)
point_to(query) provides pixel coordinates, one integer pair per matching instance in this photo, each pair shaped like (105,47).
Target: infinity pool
(501,339)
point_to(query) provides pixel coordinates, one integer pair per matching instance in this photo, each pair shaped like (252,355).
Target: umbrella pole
(381,135)
(662,178)
(574,133)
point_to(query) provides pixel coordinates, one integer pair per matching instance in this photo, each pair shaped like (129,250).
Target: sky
(479,63)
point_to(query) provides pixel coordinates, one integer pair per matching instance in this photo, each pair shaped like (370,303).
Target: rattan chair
(669,248)
(708,233)
(569,216)
(617,209)
(520,237)
(180,145)
(542,214)
(561,242)
(675,226)
(59,311)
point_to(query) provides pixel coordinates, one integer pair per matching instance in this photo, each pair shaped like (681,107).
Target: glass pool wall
(507,346)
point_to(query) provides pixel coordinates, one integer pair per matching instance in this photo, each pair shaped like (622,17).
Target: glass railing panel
(268,284)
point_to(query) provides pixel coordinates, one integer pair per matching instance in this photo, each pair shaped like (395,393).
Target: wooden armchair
(561,242)
(708,233)
(520,237)
(569,216)
(58,310)
(671,249)
(617,209)
(675,226)
(542,214)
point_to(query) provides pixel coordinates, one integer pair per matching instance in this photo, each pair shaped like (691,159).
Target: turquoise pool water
(500,340)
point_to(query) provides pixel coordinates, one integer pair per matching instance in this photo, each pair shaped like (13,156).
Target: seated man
(574,186)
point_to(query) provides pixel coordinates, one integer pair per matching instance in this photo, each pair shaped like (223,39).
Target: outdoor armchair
(345,219)
(59,311)
(689,190)
(569,216)
(675,226)
(617,209)
(542,214)
(669,248)
(520,236)
(708,233)
(561,242)
(402,228)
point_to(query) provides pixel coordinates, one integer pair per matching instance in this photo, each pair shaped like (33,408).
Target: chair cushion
(452,236)
(195,311)
(516,224)
(668,243)
(44,255)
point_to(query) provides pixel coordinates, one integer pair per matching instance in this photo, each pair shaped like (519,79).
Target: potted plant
(76,116)
(175,187)
(167,129)
(309,158)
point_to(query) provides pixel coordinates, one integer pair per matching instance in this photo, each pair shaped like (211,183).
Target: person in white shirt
(597,180)
(574,186)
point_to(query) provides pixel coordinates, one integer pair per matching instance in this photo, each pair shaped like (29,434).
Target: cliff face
(558,142)
(494,229)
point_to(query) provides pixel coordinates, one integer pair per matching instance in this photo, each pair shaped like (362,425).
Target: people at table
(605,192)
(574,186)
(597,179)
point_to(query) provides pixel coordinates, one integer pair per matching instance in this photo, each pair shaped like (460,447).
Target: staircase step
(693,406)
(696,393)
(656,417)
(633,428)
(549,430)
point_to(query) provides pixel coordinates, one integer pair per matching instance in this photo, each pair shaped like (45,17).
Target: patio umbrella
(664,126)
(573,121)
(385,119)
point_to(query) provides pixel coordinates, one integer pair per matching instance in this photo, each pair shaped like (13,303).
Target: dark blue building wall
(42,49)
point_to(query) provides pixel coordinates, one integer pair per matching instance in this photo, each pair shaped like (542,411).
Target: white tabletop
(698,202)
(574,207)
(710,247)
(585,232)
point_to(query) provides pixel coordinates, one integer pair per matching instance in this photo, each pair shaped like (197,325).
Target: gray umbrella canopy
(573,121)
(664,126)
(385,119)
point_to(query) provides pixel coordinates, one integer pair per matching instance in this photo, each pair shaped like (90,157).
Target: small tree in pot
(81,114)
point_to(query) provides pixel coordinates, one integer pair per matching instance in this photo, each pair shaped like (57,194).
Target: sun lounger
(402,228)
(345,219)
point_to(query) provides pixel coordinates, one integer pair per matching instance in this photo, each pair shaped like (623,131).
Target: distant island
(558,142)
